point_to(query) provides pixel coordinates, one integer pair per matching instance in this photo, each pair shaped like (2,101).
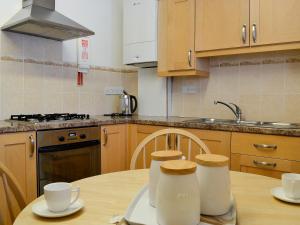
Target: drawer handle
(264,164)
(105,136)
(265,147)
(32,145)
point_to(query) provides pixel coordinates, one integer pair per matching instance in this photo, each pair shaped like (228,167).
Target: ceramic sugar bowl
(214,182)
(157,158)
(178,194)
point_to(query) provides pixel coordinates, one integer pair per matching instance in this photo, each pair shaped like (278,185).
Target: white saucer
(279,193)
(41,209)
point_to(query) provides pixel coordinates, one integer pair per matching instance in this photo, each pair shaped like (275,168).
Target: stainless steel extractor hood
(39,18)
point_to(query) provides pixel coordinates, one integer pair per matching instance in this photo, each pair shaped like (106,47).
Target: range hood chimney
(39,18)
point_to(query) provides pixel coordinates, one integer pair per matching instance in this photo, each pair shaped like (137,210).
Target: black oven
(67,155)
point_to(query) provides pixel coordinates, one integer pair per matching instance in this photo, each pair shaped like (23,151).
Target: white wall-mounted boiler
(140,33)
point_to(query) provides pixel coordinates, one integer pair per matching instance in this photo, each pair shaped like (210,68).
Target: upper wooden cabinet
(181,29)
(176,39)
(225,27)
(222,24)
(18,154)
(275,21)
(113,148)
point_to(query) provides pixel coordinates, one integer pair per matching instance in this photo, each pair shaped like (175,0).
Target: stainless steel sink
(209,121)
(246,123)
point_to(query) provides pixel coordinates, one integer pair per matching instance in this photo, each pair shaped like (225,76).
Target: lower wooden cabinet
(268,155)
(113,148)
(18,154)
(263,166)
(217,141)
(137,133)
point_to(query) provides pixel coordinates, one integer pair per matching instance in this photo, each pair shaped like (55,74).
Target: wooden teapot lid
(212,160)
(166,155)
(178,167)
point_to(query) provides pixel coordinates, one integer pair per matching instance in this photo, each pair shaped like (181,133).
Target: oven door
(67,163)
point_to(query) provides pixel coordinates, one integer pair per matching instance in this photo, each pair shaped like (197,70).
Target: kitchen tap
(236,111)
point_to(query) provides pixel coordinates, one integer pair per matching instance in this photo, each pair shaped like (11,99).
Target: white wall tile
(263,85)
(11,44)
(34,48)
(53,78)
(12,77)
(33,78)
(70,102)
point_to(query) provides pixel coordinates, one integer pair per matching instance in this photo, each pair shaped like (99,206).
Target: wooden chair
(10,185)
(166,132)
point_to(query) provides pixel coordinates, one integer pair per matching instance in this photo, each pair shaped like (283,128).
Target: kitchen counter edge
(13,127)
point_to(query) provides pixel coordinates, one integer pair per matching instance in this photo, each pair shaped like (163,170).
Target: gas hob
(49,117)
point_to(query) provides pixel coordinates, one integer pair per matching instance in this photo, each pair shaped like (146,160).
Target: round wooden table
(109,194)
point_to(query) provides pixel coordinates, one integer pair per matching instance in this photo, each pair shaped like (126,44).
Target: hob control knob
(82,136)
(61,138)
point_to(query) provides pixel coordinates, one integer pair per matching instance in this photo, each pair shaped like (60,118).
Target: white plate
(279,193)
(140,212)
(41,209)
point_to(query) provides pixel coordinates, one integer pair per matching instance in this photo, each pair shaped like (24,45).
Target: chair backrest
(10,184)
(179,133)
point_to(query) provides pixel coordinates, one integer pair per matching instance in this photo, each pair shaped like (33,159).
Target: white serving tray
(140,212)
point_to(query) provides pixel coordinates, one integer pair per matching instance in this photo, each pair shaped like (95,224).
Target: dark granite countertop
(11,127)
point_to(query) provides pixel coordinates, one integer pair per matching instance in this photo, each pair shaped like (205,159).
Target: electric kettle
(128,104)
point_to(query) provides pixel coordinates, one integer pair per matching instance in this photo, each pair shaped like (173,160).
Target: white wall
(34,78)
(152,93)
(104,17)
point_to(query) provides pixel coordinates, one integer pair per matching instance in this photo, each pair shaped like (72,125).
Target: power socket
(113,90)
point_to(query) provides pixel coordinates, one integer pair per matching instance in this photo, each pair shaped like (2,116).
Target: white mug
(59,196)
(291,185)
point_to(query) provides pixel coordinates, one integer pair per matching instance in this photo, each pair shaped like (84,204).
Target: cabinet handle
(265,147)
(32,145)
(254,33)
(190,58)
(264,164)
(244,33)
(105,136)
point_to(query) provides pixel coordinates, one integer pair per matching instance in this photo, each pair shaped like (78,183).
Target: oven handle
(65,147)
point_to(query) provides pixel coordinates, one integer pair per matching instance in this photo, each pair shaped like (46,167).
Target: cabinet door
(181,35)
(222,24)
(276,21)
(218,142)
(139,133)
(18,154)
(113,148)
(162,40)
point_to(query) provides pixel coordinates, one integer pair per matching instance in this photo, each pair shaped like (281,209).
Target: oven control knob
(82,136)
(61,138)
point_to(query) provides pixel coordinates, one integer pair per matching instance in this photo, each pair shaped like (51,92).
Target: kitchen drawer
(263,166)
(271,146)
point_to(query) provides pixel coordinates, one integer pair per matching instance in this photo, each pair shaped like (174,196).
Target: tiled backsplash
(265,86)
(34,79)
